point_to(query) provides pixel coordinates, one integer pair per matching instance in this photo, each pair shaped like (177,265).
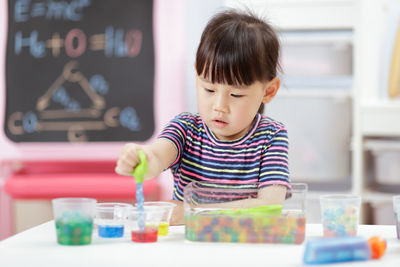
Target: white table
(38,247)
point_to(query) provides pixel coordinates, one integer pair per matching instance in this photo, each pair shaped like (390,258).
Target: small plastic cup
(340,214)
(144,224)
(396,209)
(74,220)
(111,219)
(167,208)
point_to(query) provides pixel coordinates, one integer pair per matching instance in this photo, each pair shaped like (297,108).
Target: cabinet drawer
(319,129)
(317,59)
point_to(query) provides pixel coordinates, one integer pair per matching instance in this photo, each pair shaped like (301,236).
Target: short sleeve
(175,132)
(274,162)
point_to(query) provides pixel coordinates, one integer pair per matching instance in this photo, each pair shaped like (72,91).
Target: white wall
(197,14)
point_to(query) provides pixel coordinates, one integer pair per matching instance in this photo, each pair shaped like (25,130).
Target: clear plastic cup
(144,224)
(396,209)
(296,199)
(111,219)
(167,208)
(340,214)
(74,220)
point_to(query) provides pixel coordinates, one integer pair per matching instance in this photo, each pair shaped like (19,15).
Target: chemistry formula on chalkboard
(79,70)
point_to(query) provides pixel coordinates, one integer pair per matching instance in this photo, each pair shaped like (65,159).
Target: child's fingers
(128,159)
(121,170)
(129,154)
(124,168)
(128,149)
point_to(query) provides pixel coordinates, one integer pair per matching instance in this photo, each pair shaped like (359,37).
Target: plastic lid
(261,210)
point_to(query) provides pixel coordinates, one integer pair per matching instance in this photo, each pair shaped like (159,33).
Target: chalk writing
(113,42)
(79,70)
(65,10)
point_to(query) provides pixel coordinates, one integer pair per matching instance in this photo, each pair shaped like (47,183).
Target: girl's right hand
(159,155)
(128,159)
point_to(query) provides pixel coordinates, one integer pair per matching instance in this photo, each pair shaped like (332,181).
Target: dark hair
(238,49)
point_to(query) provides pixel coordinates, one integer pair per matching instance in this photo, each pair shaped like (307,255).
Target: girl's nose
(220,104)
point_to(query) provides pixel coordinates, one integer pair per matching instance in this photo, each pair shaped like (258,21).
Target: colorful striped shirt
(256,160)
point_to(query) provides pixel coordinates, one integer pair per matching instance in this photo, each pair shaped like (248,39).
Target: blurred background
(339,96)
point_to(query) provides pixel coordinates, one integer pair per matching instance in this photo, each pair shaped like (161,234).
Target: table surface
(37,247)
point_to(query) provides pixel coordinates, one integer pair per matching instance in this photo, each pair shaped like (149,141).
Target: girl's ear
(272,88)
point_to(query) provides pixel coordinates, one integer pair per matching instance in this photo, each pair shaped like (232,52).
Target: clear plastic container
(74,220)
(321,59)
(111,219)
(385,152)
(340,214)
(144,224)
(208,216)
(387,168)
(312,159)
(396,209)
(167,208)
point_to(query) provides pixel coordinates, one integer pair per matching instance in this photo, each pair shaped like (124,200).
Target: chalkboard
(79,70)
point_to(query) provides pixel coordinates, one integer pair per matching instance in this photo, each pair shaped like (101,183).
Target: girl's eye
(209,90)
(237,96)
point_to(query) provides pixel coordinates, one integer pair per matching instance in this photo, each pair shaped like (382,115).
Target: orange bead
(378,247)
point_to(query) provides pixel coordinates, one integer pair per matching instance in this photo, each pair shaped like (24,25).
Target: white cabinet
(376,116)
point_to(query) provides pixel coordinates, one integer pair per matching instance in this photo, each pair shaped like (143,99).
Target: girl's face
(229,111)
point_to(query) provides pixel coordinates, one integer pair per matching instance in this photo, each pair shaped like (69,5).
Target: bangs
(228,61)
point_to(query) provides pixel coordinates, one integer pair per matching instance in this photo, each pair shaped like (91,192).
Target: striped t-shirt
(258,159)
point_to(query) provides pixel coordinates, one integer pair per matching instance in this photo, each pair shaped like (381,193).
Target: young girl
(228,142)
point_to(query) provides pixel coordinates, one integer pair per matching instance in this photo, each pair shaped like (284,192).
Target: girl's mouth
(219,123)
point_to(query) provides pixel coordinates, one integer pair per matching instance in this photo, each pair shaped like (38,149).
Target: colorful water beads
(163,229)
(110,231)
(288,228)
(340,221)
(74,229)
